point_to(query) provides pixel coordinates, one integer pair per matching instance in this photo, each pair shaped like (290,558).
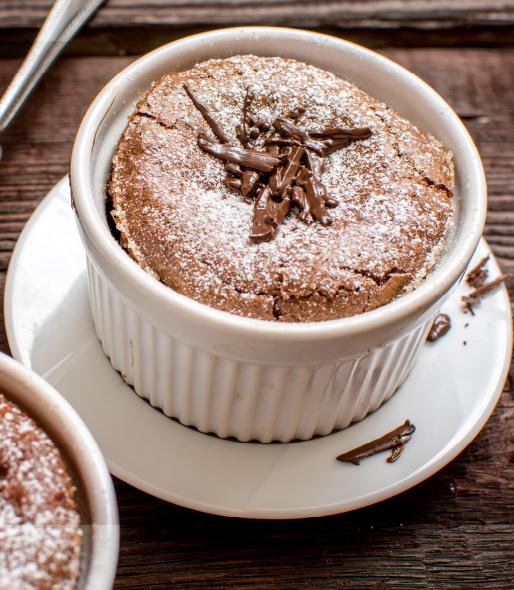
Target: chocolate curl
(332,145)
(315,146)
(278,211)
(232,183)
(285,127)
(216,129)
(282,177)
(280,141)
(474,298)
(249,183)
(342,133)
(294,133)
(255,159)
(316,165)
(242,130)
(394,440)
(316,202)
(330,203)
(299,199)
(233,169)
(262,230)
(303,176)
(477,276)
(439,328)
(272,149)
(314,194)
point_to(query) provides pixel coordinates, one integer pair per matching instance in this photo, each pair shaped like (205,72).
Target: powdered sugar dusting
(40,531)
(394,193)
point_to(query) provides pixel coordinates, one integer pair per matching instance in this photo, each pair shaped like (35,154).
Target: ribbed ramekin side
(415,348)
(241,399)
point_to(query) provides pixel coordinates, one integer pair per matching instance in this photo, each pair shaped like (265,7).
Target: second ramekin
(254,379)
(96,500)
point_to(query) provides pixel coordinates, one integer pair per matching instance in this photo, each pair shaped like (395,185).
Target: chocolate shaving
(319,148)
(299,199)
(332,145)
(474,298)
(279,210)
(477,276)
(249,183)
(216,129)
(285,127)
(439,328)
(291,131)
(243,134)
(341,132)
(287,174)
(394,440)
(250,158)
(232,183)
(316,165)
(234,169)
(262,230)
(280,141)
(282,178)
(313,190)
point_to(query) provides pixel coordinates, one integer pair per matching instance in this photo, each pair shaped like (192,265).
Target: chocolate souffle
(40,534)
(272,189)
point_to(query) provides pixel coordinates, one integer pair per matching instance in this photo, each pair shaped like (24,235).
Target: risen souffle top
(182,216)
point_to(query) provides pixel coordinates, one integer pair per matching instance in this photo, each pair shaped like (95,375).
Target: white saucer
(449,396)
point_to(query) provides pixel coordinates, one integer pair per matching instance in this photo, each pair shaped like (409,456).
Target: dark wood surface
(136,26)
(454,531)
(389,13)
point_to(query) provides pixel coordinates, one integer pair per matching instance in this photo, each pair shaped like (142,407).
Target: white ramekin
(95,493)
(253,379)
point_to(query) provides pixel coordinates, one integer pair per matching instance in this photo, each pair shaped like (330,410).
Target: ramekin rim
(420,298)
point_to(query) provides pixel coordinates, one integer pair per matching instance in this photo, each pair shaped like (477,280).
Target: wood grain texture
(130,27)
(455,531)
(347,13)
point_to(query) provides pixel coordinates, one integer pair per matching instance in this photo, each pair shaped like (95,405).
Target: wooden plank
(138,39)
(124,27)
(346,13)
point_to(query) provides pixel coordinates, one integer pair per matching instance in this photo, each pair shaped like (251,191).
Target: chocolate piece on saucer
(394,440)
(473,299)
(477,276)
(440,327)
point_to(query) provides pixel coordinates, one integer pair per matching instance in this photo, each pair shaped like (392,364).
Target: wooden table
(456,529)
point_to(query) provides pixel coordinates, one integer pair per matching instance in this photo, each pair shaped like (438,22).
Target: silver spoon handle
(63,21)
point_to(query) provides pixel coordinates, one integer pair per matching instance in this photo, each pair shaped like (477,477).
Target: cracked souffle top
(272,189)
(40,534)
